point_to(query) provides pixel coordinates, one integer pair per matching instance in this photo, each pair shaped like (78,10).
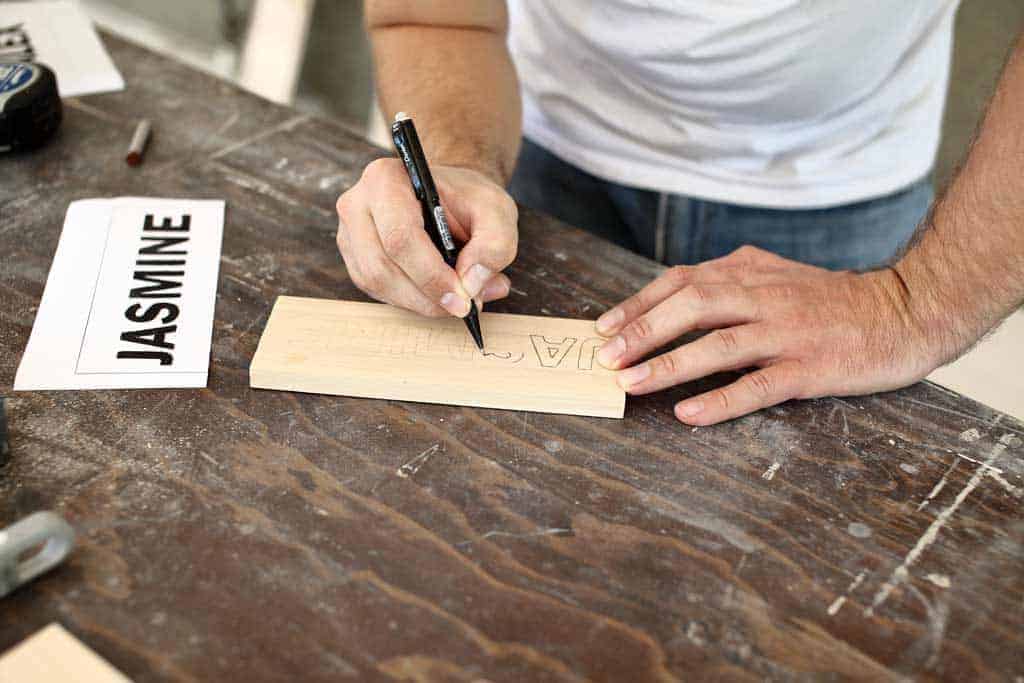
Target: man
(687,130)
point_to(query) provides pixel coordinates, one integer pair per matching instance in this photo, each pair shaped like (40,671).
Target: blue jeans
(676,229)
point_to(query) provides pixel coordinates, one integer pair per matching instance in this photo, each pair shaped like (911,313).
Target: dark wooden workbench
(232,534)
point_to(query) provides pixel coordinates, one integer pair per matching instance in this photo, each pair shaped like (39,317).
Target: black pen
(407,142)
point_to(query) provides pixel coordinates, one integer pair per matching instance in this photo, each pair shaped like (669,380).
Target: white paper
(59,35)
(130,296)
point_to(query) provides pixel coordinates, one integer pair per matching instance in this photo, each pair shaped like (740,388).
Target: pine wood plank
(349,348)
(55,656)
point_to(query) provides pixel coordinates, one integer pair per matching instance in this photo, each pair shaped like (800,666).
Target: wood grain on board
(349,348)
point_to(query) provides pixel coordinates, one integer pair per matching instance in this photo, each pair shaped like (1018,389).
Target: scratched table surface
(238,534)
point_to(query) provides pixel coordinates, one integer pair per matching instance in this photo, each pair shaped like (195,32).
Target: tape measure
(30,108)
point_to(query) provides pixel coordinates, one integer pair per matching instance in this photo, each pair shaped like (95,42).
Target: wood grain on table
(233,534)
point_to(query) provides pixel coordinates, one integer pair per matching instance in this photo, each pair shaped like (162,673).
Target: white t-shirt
(776,103)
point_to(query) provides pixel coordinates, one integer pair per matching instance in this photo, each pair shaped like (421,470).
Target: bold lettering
(186,221)
(161,244)
(155,336)
(164,357)
(150,314)
(156,290)
(160,262)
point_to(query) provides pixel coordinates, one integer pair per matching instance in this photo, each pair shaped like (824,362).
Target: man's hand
(390,256)
(808,332)
(811,332)
(448,64)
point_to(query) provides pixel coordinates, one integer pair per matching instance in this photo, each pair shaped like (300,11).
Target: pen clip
(417,183)
(404,147)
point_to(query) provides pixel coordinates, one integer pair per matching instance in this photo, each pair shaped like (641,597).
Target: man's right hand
(391,257)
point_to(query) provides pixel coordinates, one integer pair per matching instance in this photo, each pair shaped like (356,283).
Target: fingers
(694,307)
(728,348)
(390,256)
(496,288)
(665,285)
(747,265)
(491,218)
(398,219)
(372,271)
(754,391)
(386,249)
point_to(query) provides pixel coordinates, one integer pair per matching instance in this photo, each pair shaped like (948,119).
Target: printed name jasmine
(158,282)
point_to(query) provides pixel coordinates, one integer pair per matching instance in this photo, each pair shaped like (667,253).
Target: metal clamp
(46,528)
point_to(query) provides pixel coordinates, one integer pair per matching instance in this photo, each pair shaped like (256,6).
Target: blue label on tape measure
(13,76)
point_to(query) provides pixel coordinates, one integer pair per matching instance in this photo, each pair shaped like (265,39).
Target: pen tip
(477,337)
(473,323)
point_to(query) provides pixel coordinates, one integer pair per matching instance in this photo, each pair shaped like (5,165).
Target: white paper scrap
(59,35)
(130,296)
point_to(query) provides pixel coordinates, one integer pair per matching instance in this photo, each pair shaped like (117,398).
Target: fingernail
(475,279)
(689,408)
(610,321)
(455,304)
(611,351)
(634,375)
(495,289)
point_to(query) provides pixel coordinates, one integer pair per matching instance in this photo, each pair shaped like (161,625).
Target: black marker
(403,132)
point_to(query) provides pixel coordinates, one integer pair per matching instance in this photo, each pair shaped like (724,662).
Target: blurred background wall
(985,30)
(334,71)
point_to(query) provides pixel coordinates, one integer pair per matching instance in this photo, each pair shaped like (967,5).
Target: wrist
(484,164)
(474,152)
(919,325)
(937,323)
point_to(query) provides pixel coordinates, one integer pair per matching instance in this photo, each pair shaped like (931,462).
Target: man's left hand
(805,332)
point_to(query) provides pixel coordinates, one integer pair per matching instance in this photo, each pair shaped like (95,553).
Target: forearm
(447,64)
(966,272)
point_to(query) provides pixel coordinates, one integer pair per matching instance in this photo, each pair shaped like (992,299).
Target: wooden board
(55,656)
(377,351)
